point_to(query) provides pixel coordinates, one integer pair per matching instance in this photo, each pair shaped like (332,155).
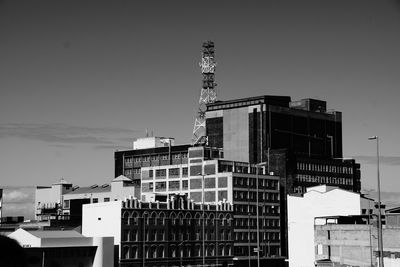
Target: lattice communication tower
(207,94)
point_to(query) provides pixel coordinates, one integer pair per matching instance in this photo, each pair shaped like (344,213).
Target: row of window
(162,173)
(130,160)
(234,105)
(324,168)
(266,250)
(252,236)
(244,223)
(184,251)
(324,179)
(132,235)
(162,186)
(133,219)
(251,196)
(251,182)
(252,209)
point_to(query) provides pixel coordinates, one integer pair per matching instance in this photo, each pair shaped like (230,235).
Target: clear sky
(80,79)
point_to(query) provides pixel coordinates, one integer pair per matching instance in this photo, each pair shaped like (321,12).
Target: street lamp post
(258,219)
(380,239)
(369,223)
(202,197)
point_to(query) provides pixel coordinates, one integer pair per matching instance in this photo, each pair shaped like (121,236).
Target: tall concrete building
(247,129)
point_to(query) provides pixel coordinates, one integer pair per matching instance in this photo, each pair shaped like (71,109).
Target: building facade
(61,203)
(352,241)
(65,248)
(248,128)
(235,182)
(318,201)
(177,232)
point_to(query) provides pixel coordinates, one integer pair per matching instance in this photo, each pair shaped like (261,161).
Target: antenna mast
(207,95)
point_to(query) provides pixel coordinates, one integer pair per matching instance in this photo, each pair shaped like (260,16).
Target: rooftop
(55,234)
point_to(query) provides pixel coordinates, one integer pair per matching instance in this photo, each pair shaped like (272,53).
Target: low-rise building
(302,209)
(353,241)
(178,232)
(65,248)
(62,202)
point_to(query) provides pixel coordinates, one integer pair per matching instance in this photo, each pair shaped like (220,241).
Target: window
(106,199)
(95,200)
(173,172)
(165,156)
(161,186)
(185,184)
(136,170)
(173,185)
(184,172)
(66,204)
(161,173)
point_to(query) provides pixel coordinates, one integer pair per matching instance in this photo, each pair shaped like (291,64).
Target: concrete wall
(350,244)
(317,202)
(236,134)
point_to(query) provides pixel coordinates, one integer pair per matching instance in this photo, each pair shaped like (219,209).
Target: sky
(81,79)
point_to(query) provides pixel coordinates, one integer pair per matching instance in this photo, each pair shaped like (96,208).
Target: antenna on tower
(207,94)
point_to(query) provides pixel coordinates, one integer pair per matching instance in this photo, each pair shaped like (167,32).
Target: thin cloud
(386,160)
(61,134)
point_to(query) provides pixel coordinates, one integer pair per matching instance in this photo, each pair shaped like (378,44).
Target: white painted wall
(317,202)
(102,219)
(104,256)
(25,239)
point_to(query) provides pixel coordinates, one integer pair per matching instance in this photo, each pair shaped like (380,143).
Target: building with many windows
(151,151)
(177,232)
(248,128)
(223,180)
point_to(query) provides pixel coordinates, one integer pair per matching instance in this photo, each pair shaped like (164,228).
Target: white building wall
(25,239)
(104,256)
(317,202)
(102,219)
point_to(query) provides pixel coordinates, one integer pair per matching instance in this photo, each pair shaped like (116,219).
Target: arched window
(133,218)
(161,218)
(173,251)
(180,218)
(134,252)
(221,250)
(188,218)
(125,218)
(153,217)
(198,219)
(198,251)
(211,219)
(172,217)
(161,251)
(125,252)
(188,251)
(154,252)
(211,250)
(228,250)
